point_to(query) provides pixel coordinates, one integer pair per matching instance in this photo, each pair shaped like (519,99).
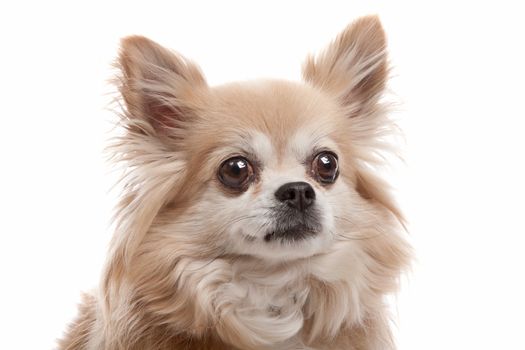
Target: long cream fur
(177,277)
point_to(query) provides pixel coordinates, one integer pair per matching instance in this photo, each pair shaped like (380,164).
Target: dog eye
(325,167)
(236,173)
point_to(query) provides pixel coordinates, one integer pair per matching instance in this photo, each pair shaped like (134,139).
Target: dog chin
(277,246)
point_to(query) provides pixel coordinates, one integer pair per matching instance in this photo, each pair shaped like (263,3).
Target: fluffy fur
(188,268)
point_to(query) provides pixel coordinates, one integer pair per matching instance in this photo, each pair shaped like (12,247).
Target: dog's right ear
(163,95)
(160,88)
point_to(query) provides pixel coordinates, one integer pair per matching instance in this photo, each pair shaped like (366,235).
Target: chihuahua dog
(251,216)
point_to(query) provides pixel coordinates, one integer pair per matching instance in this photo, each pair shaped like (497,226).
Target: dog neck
(238,301)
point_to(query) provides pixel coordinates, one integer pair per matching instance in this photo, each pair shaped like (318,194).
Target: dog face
(270,169)
(273,183)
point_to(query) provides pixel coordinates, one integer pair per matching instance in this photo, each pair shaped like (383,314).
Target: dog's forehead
(297,148)
(280,119)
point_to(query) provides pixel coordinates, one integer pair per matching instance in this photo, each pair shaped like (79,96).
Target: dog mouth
(291,234)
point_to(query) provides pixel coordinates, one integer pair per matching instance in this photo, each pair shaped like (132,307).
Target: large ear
(163,94)
(160,88)
(353,67)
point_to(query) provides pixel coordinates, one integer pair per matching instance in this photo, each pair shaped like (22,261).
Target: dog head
(272,169)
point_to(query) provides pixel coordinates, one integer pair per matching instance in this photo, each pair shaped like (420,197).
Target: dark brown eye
(236,173)
(325,167)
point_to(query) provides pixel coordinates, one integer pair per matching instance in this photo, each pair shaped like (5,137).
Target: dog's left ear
(354,67)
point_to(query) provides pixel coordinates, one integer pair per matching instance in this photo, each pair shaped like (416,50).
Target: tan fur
(177,277)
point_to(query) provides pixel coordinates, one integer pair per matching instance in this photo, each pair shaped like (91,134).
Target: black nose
(299,195)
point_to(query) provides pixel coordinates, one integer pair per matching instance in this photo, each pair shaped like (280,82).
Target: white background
(459,73)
